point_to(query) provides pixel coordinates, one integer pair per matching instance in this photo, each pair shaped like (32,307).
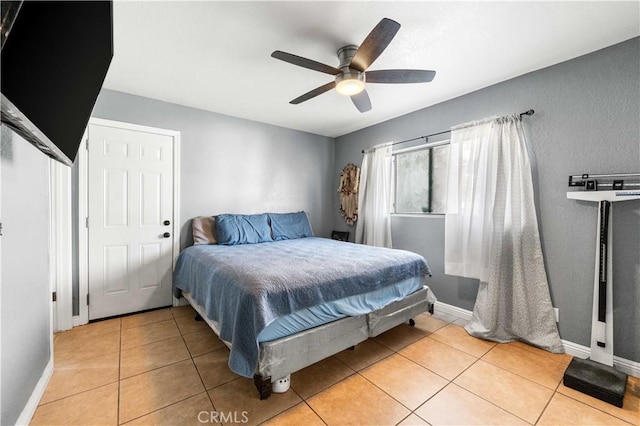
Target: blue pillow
(289,226)
(234,229)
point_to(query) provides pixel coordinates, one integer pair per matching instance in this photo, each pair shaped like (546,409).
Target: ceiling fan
(351,74)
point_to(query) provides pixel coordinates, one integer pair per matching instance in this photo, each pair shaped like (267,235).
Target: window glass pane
(412,182)
(439,178)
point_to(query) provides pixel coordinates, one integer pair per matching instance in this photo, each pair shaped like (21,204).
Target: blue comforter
(246,287)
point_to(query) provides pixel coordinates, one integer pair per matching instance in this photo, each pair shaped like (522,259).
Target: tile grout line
(119,374)
(357,372)
(302,400)
(421,366)
(213,405)
(314,411)
(589,405)
(426,368)
(204,386)
(172,363)
(492,403)
(508,371)
(451,382)
(406,417)
(555,391)
(80,392)
(494,344)
(120,364)
(324,389)
(430,398)
(386,393)
(516,373)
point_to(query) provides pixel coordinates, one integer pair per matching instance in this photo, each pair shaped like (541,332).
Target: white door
(130,221)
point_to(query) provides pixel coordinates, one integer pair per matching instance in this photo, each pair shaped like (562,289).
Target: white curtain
(491,233)
(374,219)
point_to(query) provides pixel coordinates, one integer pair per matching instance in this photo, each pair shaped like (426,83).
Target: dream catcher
(348,189)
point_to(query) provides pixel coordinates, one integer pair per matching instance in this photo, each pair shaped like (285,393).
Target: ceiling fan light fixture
(350,83)
(354,64)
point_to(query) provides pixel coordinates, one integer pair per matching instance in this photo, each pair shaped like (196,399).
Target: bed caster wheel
(412,323)
(281,385)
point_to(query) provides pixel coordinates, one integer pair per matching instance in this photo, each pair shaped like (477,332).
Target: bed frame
(281,357)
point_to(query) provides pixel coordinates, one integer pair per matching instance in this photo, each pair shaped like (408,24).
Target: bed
(283,299)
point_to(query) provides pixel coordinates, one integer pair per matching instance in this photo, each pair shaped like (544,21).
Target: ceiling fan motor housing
(350,75)
(345,54)
(351,81)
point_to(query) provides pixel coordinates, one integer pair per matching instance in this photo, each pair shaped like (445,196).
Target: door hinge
(87,299)
(86,221)
(0,229)
(54,296)
(86,146)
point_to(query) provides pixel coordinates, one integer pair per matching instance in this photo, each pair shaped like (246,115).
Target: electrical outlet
(556,312)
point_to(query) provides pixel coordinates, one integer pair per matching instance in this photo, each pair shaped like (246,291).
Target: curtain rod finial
(529,112)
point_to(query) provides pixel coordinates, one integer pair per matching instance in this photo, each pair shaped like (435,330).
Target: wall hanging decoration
(348,189)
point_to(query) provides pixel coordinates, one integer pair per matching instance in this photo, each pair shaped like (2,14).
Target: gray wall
(232,165)
(587,120)
(25,291)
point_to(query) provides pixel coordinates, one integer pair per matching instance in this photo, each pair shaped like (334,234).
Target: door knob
(166,235)
(166,223)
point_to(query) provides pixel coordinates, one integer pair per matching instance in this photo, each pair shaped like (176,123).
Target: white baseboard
(626,366)
(458,313)
(576,350)
(632,368)
(30,408)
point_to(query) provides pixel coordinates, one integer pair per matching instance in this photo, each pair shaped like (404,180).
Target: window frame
(394,191)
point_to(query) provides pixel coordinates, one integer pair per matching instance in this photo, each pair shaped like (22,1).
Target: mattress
(245,288)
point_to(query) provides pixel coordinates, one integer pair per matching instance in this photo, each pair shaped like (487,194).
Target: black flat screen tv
(55,56)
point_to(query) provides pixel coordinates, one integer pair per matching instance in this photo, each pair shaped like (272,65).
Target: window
(420,178)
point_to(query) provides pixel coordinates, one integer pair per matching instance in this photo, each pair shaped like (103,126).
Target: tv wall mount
(596,376)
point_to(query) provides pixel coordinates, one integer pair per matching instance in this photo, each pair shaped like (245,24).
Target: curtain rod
(426,137)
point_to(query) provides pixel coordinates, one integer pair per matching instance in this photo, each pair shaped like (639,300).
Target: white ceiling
(216,55)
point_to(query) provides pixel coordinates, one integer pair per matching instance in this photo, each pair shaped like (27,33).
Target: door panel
(151,203)
(150,255)
(116,198)
(116,270)
(130,196)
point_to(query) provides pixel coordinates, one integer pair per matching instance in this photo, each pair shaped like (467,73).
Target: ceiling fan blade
(362,101)
(313,93)
(305,63)
(400,76)
(375,43)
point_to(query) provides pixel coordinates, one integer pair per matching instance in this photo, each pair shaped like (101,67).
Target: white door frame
(83,199)
(60,244)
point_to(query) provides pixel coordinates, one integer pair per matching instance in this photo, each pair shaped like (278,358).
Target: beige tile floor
(163,367)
